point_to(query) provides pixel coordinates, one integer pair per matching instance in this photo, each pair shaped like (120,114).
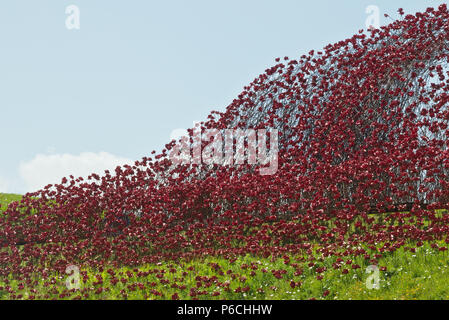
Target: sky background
(82,101)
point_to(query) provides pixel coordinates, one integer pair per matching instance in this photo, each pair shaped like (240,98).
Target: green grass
(420,275)
(423,275)
(5,199)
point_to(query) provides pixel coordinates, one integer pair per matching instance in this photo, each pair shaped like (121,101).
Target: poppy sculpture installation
(362,125)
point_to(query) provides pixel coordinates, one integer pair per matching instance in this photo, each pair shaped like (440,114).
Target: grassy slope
(420,275)
(7,198)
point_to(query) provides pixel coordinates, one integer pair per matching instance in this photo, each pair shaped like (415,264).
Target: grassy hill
(404,274)
(6,198)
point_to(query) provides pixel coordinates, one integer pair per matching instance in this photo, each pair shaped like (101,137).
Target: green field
(423,274)
(7,198)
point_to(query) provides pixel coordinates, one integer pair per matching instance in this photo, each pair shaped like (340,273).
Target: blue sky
(73,101)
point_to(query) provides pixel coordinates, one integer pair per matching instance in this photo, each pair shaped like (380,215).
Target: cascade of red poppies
(363,128)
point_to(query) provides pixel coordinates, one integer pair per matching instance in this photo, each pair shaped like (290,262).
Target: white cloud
(4,185)
(47,169)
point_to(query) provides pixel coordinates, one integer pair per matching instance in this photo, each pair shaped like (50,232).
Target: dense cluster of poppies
(363,128)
